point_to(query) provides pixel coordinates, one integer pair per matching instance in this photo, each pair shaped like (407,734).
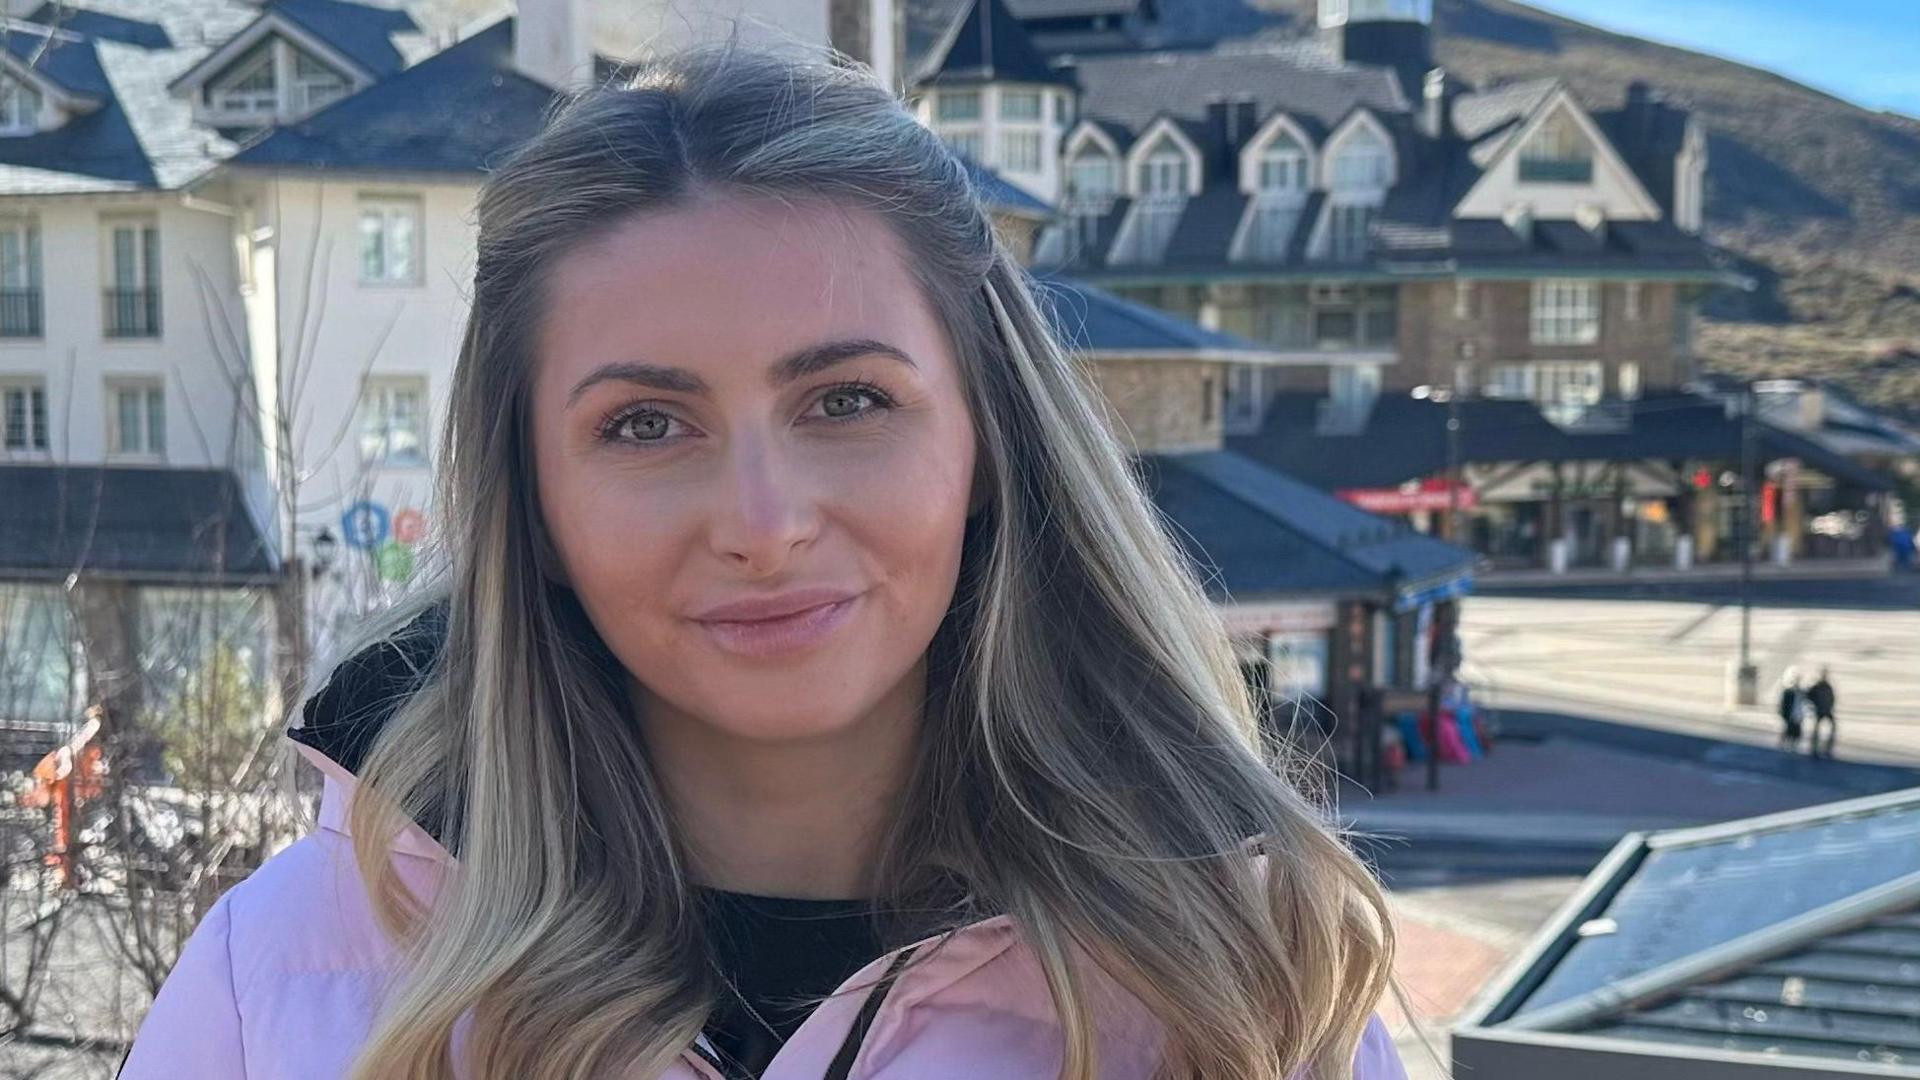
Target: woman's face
(754,457)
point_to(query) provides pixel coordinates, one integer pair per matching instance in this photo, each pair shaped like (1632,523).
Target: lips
(780,605)
(778,625)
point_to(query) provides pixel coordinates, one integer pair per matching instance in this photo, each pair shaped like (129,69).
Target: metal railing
(20,313)
(132,312)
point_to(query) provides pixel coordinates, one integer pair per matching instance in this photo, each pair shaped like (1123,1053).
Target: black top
(781,955)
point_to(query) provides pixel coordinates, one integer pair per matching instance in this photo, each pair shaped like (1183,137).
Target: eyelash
(607,431)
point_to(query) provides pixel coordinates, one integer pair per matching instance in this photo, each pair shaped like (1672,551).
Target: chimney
(553,42)
(1248,118)
(1220,130)
(1436,119)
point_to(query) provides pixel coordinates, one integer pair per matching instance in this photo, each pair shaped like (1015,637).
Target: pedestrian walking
(806,687)
(1820,700)
(1793,707)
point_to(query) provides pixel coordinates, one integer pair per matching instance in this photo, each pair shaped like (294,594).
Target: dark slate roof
(64,57)
(1133,89)
(103,25)
(995,192)
(362,33)
(460,110)
(1253,533)
(986,43)
(1793,936)
(1649,135)
(174,524)
(1090,319)
(1405,439)
(1496,109)
(141,137)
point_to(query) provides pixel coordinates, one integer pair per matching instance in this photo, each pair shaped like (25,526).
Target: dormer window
(1091,177)
(1362,163)
(250,87)
(273,82)
(314,84)
(1283,168)
(1163,175)
(957,120)
(1558,153)
(19,107)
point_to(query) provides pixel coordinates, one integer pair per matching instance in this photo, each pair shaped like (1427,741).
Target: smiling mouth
(792,632)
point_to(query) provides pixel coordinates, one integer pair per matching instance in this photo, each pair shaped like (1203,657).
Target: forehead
(730,282)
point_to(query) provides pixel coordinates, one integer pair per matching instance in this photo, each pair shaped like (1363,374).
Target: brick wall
(1164,406)
(1498,327)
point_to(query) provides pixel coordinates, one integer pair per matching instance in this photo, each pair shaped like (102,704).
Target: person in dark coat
(1820,698)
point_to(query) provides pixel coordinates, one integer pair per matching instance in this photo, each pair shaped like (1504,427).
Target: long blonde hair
(1089,763)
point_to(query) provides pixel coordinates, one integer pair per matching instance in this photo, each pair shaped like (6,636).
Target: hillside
(1821,196)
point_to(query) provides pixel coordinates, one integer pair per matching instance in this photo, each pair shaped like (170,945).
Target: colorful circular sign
(393,561)
(364,524)
(409,526)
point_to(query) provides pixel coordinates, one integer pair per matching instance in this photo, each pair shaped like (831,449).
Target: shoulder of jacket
(304,909)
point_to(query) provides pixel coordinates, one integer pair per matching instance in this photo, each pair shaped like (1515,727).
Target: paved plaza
(1667,662)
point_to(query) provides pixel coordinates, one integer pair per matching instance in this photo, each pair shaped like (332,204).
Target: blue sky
(1867,51)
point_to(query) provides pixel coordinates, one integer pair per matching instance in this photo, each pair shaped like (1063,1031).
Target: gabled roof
(1255,533)
(457,111)
(359,35)
(63,58)
(142,523)
(1404,439)
(985,43)
(138,137)
(1780,941)
(102,25)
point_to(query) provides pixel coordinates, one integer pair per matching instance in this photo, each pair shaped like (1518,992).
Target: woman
(794,581)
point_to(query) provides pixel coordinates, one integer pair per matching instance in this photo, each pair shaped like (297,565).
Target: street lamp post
(1441,657)
(1746,688)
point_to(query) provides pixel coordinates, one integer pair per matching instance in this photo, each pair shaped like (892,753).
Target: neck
(800,818)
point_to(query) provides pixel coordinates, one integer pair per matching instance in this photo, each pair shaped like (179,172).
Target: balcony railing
(20,313)
(132,313)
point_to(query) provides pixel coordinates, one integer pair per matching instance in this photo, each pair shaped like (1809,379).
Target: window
(202,650)
(969,144)
(41,676)
(314,84)
(1271,231)
(1361,163)
(1091,176)
(19,107)
(389,241)
(1164,172)
(393,421)
(19,278)
(249,86)
(1629,380)
(1558,153)
(23,415)
(1347,227)
(136,417)
(1463,299)
(1563,389)
(1020,151)
(1566,312)
(1354,388)
(957,105)
(1633,301)
(1283,167)
(1245,397)
(1020,105)
(133,298)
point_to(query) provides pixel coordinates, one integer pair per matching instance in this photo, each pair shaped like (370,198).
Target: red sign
(1429,494)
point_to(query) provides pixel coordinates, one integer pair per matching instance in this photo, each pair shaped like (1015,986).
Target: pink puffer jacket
(280,982)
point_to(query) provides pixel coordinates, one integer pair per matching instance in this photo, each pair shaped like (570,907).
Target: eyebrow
(795,365)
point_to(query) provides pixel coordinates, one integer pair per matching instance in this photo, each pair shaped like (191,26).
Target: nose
(765,510)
